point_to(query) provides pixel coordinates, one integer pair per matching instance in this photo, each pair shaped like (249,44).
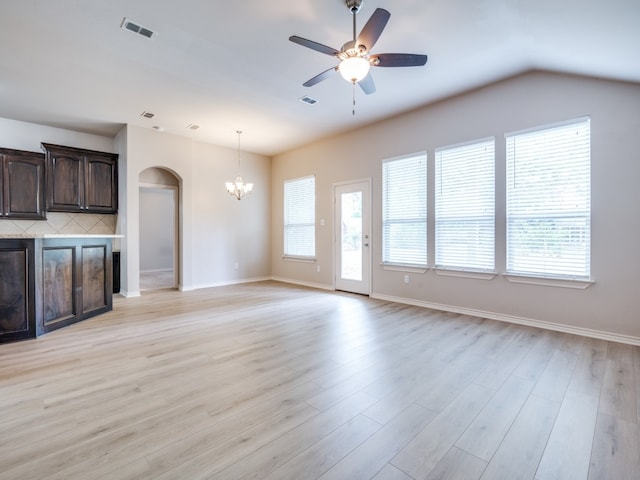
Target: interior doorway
(352,227)
(158,206)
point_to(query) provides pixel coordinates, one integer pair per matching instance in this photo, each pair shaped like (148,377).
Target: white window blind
(404,211)
(300,217)
(465,206)
(549,201)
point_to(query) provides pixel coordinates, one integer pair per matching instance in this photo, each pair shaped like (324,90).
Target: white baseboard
(126,294)
(558,327)
(230,282)
(320,286)
(157,270)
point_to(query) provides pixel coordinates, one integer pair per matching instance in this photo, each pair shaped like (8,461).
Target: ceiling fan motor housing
(354,5)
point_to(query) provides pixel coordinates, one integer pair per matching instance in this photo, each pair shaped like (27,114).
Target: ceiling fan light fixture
(354,69)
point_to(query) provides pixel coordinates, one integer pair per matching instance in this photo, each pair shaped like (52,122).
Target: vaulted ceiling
(228,65)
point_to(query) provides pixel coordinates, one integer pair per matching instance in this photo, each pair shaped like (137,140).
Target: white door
(352,226)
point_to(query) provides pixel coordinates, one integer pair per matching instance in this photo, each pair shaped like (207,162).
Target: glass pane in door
(351,243)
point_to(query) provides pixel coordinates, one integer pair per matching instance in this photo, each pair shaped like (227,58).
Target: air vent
(193,126)
(147,114)
(308,100)
(136,28)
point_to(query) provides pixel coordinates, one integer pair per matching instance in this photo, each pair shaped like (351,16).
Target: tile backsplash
(61,222)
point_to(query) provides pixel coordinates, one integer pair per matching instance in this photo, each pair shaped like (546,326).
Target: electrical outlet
(318,268)
(236,266)
(406,279)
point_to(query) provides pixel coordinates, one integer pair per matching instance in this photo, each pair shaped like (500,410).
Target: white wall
(611,304)
(28,136)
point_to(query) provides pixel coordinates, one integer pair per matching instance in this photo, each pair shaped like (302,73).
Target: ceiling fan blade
(367,84)
(318,47)
(398,60)
(320,77)
(373,28)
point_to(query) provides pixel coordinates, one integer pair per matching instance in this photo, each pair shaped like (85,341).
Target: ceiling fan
(355,56)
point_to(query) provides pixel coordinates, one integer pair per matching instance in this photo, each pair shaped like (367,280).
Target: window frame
(569,280)
(387,261)
(291,225)
(474,271)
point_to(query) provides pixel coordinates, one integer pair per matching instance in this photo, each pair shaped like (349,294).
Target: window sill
(549,281)
(396,267)
(479,275)
(291,258)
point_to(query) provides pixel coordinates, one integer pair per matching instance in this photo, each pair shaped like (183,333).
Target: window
(465,206)
(548,201)
(300,217)
(404,211)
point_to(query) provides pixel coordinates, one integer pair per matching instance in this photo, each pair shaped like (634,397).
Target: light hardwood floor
(268,380)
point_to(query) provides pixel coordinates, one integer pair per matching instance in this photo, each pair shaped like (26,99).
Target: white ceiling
(228,65)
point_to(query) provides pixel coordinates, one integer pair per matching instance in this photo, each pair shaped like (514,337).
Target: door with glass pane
(352,237)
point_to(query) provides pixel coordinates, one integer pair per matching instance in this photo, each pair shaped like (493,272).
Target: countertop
(57,235)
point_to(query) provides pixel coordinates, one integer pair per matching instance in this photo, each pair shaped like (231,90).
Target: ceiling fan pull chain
(353,112)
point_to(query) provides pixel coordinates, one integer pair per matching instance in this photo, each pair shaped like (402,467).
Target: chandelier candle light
(238,188)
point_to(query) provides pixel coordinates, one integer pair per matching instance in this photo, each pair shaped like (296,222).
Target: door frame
(336,231)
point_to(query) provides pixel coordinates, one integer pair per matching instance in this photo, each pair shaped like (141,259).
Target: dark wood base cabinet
(46,284)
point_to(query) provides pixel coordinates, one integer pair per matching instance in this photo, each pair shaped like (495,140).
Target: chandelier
(238,188)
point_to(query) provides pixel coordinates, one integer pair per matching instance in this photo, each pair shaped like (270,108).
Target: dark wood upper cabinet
(81,180)
(22,184)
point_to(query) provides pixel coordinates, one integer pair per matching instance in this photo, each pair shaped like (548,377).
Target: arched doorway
(159,193)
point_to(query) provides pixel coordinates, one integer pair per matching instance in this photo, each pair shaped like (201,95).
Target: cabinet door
(24,186)
(66,182)
(17,315)
(61,289)
(101,184)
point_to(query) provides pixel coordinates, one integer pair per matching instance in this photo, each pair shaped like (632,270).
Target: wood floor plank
(502,365)
(535,361)
(636,370)
(318,458)
(458,465)
(389,472)
(615,453)
(618,396)
(555,378)
(568,450)
(371,456)
(520,452)
(484,435)
(279,451)
(589,373)
(422,454)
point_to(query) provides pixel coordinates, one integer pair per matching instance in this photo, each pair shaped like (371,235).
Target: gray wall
(611,304)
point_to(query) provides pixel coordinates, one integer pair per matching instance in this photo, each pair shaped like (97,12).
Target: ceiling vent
(147,115)
(193,126)
(137,28)
(308,100)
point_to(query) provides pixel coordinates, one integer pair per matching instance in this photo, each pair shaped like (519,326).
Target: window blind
(549,201)
(465,206)
(404,211)
(300,217)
